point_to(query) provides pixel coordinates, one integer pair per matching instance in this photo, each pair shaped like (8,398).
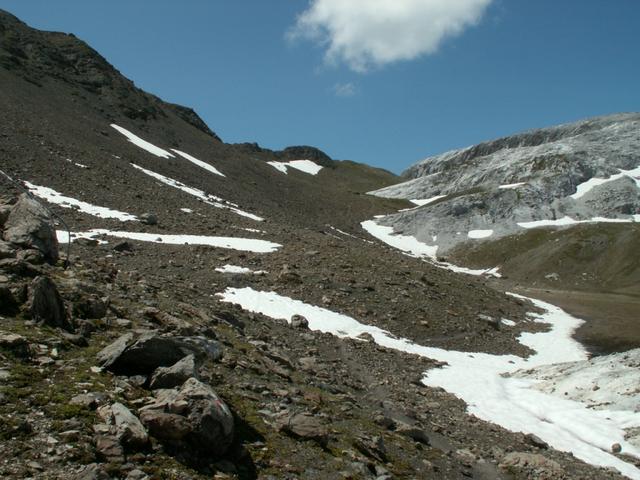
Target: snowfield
(479,378)
(242,244)
(139,142)
(306,166)
(57,198)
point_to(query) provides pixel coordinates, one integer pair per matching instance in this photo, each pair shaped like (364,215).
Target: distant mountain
(584,174)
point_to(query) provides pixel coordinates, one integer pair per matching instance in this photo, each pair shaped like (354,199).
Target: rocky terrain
(121,359)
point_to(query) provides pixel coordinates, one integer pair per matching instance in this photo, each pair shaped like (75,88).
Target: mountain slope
(173,231)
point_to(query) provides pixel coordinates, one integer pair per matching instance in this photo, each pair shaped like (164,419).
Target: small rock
(305,426)
(298,321)
(535,461)
(91,472)
(616,448)
(149,219)
(124,426)
(414,433)
(123,246)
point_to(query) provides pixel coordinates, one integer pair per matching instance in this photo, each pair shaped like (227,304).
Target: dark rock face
(29,225)
(46,304)
(192,421)
(151,351)
(306,152)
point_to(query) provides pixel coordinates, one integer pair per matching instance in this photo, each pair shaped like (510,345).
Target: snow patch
(590,184)
(476,234)
(415,248)
(512,185)
(51,196)
(477,378)
(205,197)
(239,270)
(306,166)
(139,142)
(76,163)
(186,210)
(200,163)
(426,201)
(242,244)
(566,220)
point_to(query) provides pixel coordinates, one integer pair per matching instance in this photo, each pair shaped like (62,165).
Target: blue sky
(389,93)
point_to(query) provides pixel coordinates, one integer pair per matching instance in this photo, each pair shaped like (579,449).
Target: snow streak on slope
(566,220)
(477,378)
(233,243)
(149,147)
(200,163)
(590,184)
(426,201)
(51,196)
(306,166)
(235,269)
(205,197)
(415,248)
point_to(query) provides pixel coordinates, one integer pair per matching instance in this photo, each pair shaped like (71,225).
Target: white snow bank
(242,244)
(200,163)
(566,220)
(149,147)
(426,201)
(51,196)
(205,197)
(415,248)
(590,184)
(477,379)
(476,234)
(512,185)
(238,270)
(306,166)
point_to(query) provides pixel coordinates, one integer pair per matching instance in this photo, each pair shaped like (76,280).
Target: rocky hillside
(172,306)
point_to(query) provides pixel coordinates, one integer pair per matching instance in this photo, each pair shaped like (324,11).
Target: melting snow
(426,201)
(242,244)
(205,197)
(587,186)
(415,248)
(57,198)
(566,220)
(186,210)
(477,378)
(76,163)
(306,166)
(512,185)
(239,270)
(149,147)
(200,163)
(479,233)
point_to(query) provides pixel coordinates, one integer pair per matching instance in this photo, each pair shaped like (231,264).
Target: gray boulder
(46,304)
(124,425)
(192,421)
(304,426)
(29,225)
(175,375)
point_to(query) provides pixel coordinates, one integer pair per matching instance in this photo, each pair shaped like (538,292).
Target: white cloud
(372,33)
(344,89)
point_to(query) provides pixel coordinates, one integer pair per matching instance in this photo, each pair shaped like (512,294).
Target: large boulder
(150,351)
(29,225)
(46,304)
(191,421)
